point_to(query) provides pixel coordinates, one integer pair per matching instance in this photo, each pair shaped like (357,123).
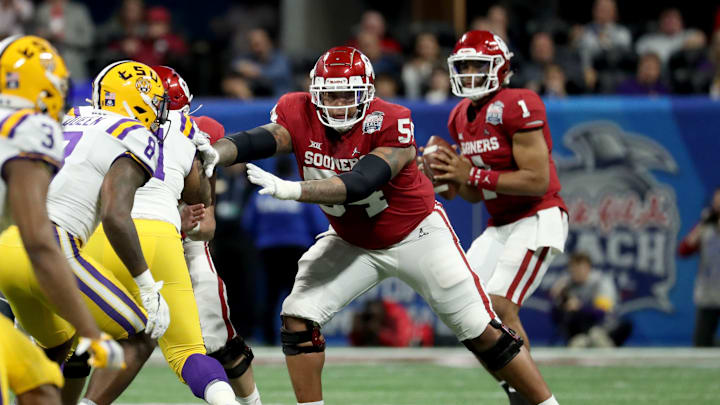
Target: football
(446,189)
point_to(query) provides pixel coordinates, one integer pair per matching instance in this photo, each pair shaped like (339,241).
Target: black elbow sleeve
(369,174)
(257,143)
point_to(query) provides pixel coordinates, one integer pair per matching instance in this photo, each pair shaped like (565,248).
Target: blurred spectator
(283,230)
(68,26)
(265,70)
(543,52)
(647,80)
(121,36)
(161,46)
(439,90)
(497,17)
(387,323)
(382,62)
(386,87)
(603,33)
(554,82)
(704,238)
(715,61)
(127,22)
(416,73)
(584,306)
(690,69)
(670,37)
(373,23)
(14,15)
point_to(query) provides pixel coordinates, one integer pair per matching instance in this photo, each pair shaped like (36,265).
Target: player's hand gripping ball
(446,189)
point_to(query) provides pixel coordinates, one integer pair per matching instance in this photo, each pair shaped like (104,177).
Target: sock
(252,399)
(199,371)
(312,403)
(219,393)
(550,401)
(86,401)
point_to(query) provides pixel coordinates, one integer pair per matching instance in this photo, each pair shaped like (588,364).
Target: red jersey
(389,214)
(485,137)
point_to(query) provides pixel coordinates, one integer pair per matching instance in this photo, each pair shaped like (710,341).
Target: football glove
(209,155)
(273,185)
(157,309)
(104,352)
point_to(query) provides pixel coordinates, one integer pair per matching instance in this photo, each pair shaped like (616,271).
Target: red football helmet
(177,88)
(342,74)
(491,68)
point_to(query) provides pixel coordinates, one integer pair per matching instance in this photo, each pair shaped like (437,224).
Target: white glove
(155,305)
(208,154)
(273,185)
(104,352)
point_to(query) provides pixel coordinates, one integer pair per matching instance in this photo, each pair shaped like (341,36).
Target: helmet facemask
(336,99)
(480,77)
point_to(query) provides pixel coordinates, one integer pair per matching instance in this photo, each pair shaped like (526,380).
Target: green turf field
(419,377)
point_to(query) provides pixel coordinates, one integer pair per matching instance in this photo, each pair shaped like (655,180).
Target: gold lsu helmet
(132,89)
(32,75)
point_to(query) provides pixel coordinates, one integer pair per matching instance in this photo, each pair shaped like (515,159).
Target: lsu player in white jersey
(108,155)
(178,176)
(33,84)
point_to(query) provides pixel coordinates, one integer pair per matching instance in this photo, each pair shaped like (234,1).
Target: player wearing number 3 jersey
(505,161)
(356,154)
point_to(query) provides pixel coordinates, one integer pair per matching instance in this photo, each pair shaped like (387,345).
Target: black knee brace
(77,366)
(504,350)
(228,355)
(291,340)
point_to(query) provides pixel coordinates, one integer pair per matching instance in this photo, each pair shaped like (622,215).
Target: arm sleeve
(685,248)
(524,112)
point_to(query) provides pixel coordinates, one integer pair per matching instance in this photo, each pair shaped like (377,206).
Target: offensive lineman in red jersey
(506,161)
(356,154)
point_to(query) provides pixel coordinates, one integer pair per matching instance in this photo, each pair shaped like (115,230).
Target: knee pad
(291,340)
(228,355)
(77,366)
(504,350)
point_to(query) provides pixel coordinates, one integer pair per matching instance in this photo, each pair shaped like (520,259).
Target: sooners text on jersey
(487,141)
(389,214)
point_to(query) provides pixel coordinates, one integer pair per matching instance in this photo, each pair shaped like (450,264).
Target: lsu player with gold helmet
(33,84)
(109,154)
(155,212)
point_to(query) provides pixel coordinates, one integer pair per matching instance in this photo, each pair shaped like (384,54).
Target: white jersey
(158,199)
(94,140)
(26,134)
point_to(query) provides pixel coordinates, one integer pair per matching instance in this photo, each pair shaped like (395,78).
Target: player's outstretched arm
(257,143)
(370,173)
(28,183)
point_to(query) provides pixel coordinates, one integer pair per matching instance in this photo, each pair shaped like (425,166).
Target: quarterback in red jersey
(356,154)
(506,161)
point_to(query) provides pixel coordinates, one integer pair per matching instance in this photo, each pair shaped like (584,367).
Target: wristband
(484,179)
(145,280)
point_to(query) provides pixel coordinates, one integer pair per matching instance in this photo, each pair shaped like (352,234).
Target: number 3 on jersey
(375,203)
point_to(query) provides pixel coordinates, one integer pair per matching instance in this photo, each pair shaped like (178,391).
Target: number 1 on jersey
(523,106)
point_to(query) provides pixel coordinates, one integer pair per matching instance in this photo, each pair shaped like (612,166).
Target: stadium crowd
(555,54)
